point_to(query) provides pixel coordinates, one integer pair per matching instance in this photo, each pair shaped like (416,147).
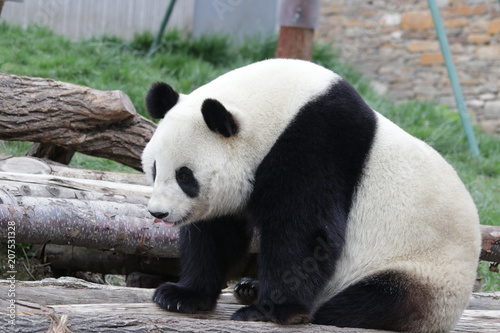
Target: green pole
(157,39)
(452,73)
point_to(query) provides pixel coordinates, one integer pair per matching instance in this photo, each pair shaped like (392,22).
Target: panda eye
(187,182)
(183,177)
(184,174)
(153,171)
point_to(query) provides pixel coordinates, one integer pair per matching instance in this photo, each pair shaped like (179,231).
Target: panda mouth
(171,224)
(167,223)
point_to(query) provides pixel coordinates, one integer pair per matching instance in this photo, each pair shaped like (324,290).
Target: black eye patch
(187,182)
(153,172)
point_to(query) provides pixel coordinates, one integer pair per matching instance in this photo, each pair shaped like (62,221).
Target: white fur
(408,190)
(225,166)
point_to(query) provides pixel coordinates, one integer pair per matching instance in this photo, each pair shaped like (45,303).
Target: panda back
(411,213)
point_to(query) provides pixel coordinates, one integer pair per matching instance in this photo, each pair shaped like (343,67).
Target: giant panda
(360,224)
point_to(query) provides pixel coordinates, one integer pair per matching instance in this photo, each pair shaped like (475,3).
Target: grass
(110,63)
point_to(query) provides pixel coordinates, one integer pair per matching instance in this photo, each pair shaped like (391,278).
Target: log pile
(102,216)
(85,220)
(98,221)
(77,306)
(80,210)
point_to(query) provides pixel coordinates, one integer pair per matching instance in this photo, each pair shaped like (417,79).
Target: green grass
(110,63)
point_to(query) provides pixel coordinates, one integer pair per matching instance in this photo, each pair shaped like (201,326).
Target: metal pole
(452,73)
(157,39)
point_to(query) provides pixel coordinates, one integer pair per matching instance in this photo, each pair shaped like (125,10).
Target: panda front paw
(246,291)
(177,298)
(284,314)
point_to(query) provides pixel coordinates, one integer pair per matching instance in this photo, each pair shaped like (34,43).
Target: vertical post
(452,73)
(166,18)
(298,19)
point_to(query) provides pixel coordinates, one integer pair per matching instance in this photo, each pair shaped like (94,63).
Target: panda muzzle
(161,217)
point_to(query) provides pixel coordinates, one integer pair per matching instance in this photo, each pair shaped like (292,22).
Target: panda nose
(159,215)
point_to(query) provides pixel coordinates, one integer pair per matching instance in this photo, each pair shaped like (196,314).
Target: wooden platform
(73,305)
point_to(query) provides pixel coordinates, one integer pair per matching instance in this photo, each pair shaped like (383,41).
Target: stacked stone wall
(394,42)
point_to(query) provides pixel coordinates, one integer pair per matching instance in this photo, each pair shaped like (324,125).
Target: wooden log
(87,212)
(78,118)
(69,258)
(80,306)
(116,223)
(100,210)
(490,243)
(66,259)
(30,165)
(51,152)
(67,206)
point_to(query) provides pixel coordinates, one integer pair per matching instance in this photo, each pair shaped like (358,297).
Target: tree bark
(69,258)
(81,211)
(76,118)
(60,210)
(491,243)
(80,306)
(51,152)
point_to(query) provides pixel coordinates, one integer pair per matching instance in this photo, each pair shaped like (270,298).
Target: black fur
(246,291)
(160,99)
(303,191)
(387,301)
(302,197)
(218,119)
(209,249)
(153,171)
(187,182)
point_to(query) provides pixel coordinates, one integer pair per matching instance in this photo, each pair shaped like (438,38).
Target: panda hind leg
(246,291)
(389,300)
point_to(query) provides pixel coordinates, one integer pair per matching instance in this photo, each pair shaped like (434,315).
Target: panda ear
(218,119)
(160,98)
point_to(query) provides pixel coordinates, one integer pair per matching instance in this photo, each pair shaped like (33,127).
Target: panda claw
(178,306)
(246,291)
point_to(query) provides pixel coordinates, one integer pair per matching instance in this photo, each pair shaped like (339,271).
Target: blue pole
(452,73)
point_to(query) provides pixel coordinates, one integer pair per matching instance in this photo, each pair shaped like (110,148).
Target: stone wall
(395,44)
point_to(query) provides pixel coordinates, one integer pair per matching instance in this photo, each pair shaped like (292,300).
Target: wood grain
(77,118)
(85,307)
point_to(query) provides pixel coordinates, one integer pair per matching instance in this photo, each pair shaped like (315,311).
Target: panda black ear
(160,98)
(218,119)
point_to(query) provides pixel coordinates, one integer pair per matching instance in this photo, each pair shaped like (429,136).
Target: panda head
(191,158)
(204,154)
